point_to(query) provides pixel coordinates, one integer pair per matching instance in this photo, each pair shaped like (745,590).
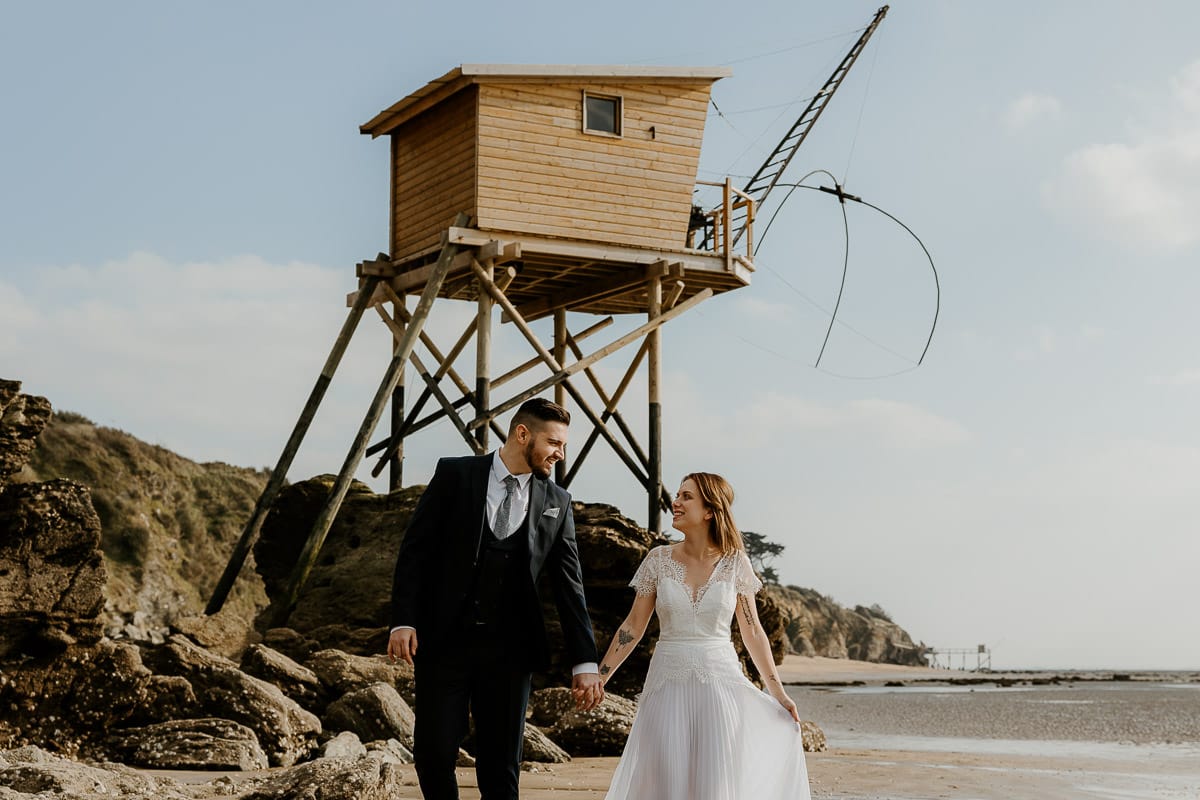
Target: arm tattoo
(624,637)
(774,678)
(605,669)
(746,611)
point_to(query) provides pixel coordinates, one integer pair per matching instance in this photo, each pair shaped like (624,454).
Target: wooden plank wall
(433,178)
(538,173)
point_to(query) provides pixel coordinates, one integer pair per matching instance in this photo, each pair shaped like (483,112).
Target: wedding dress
(703,731)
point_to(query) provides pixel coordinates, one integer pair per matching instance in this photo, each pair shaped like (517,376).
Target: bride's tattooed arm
(627,635)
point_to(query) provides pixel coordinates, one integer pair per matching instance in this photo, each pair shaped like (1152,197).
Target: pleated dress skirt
(703,731)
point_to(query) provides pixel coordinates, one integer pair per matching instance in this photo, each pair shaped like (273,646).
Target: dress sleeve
(645,579)
(745,580)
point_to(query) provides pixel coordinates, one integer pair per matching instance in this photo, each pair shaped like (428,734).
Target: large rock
(373,712)
(22,419)
(364,778)
(350,583)
(51,571)
(345,745)
(341,672)
(599,732)
(296,681)
(286,731)
(73,700)
(540,748)
(29,772)
(812,737)
(189,744)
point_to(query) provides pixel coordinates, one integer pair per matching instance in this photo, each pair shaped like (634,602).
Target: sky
(184,194)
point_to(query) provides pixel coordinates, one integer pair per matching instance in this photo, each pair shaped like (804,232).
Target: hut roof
(436,90)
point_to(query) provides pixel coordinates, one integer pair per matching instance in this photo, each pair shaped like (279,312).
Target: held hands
(588,690)
(402,645)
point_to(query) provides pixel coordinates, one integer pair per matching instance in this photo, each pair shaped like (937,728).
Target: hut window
(601,114)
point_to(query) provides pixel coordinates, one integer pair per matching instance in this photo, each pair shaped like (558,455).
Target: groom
(465,608)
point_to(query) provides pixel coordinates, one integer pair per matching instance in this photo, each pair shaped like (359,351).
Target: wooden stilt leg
(654,368)
(396,462)
(560,394)
(483,356)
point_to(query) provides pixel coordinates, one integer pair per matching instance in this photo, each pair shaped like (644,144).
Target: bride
(703,731)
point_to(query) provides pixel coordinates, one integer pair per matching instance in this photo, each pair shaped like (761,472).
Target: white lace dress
(703,731)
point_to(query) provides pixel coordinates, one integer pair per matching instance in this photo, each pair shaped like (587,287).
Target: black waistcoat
(499,592)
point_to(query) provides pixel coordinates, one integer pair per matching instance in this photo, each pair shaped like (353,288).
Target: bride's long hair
(717,496)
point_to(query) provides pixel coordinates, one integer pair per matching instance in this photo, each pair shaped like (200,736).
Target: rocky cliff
(817,626)
(167,524)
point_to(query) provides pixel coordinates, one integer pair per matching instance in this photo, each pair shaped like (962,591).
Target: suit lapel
(537,501)
(477,494)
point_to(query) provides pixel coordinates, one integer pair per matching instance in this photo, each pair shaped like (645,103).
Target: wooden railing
(718,236)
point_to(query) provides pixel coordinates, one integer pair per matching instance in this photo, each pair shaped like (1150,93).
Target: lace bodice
(707,615)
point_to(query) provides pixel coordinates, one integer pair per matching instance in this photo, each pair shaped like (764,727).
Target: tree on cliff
(762,551)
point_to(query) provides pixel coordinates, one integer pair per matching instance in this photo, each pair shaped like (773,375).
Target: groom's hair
(536,411)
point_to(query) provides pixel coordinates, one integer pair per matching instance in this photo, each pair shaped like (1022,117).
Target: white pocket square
(550,512)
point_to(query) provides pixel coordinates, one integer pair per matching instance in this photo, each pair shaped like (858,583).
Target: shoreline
(867,766)
(821,671)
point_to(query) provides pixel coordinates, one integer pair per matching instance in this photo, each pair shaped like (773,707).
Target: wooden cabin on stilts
(531,192)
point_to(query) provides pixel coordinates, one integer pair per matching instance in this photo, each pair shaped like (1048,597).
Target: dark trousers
(476,678)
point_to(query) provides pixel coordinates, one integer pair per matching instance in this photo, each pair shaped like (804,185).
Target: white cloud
(1030,109)
(1145,191)
(771,419)
(905,425)
(762,309)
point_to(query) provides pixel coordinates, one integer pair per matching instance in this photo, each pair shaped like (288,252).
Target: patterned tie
(501,527)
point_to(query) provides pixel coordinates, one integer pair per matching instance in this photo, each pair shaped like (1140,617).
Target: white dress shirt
(496,489)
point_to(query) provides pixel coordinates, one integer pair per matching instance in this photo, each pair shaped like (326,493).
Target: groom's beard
(540,469)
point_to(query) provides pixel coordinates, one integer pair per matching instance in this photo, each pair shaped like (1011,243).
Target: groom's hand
(587,690)
(402,644)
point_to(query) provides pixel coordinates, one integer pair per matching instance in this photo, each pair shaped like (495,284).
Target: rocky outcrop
(188,744)
(340,673)
(373,712)
(287,732)
(350,584)
(367,778)
(599,732)
(541,749)
(812,737)
(167,527)
(22,419)
(74,699)
(296,681)
(817,626)
(51,570)
(32,772)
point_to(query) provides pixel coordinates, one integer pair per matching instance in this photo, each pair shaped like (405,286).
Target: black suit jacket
(442,544)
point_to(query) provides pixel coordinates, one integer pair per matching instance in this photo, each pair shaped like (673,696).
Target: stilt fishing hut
(538,191)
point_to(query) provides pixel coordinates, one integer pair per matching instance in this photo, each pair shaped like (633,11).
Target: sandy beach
(1066,737)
